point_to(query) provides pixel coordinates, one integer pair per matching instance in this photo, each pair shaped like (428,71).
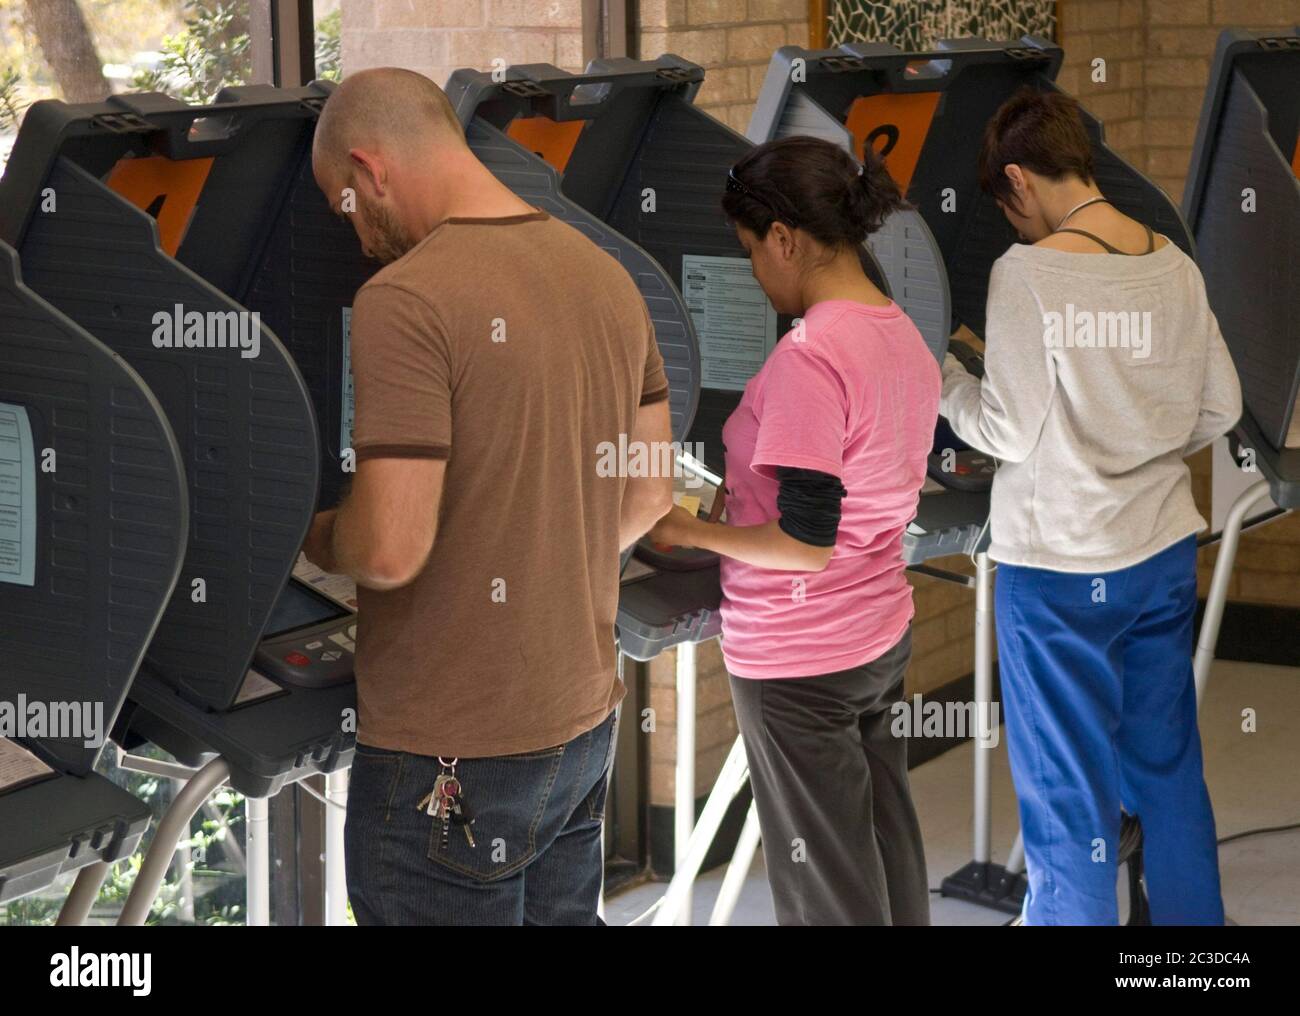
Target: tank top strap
(1095,239)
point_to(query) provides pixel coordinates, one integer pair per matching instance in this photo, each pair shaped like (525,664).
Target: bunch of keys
(446,802)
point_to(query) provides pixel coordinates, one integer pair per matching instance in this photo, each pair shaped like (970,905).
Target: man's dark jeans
(537,855)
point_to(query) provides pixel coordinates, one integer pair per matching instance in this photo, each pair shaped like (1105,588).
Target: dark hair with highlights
(1039,131)
(813,185)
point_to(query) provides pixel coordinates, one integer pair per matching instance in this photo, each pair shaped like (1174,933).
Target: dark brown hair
(812,185)
(1039,131)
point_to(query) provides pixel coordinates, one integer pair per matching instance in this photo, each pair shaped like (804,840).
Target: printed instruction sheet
(17,497)
(735,323)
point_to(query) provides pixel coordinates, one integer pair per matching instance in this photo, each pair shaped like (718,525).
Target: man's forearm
(639,513)
(352,550)
(635,521)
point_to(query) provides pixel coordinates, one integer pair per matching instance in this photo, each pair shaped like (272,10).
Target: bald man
(494,356)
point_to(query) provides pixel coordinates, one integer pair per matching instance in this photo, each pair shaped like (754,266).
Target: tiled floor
(1254,781)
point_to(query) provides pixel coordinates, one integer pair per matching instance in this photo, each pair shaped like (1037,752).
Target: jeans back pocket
(507,797)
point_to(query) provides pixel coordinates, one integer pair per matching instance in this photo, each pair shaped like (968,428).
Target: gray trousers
(840,835)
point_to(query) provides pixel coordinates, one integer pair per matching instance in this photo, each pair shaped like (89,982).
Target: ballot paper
(636,569)
(255,688)
(19,767)
(339,588)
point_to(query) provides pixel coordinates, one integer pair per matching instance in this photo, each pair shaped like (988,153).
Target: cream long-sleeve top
(1103,372)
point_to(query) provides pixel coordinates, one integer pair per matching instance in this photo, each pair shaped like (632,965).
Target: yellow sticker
(690,502)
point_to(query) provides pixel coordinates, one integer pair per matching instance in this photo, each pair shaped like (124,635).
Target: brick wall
(1157,55)
(436,37)
(732,39)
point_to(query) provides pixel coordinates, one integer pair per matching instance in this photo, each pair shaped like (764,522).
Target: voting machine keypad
(315,657)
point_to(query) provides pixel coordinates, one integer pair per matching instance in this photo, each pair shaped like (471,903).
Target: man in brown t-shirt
(494,358)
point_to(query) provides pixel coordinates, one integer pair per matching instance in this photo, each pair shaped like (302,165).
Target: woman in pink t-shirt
(825,459)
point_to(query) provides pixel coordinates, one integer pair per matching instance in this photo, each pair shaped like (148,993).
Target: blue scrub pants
(1100,708)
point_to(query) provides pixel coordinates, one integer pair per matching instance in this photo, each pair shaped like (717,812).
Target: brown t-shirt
(511,347)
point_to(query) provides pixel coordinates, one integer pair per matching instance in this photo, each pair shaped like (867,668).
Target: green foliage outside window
(328,46)
(11,104)
(212,51)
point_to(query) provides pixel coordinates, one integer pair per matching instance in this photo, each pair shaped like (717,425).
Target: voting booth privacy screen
(925,113)
(147,226)
(1242,199)
(93,514)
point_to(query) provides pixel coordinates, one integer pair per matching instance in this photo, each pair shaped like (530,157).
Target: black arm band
(809,503)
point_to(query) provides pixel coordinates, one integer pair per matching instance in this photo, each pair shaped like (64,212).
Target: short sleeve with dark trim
(402,376)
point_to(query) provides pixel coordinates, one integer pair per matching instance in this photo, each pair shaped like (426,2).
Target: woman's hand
(676,529)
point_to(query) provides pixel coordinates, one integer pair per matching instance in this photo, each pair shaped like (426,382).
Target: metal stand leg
(174,825)
(684,804)
(257,815)
(1218,595)
(84,892)
(981,881)
(735,771)
(734,881)
(1016,859)
(336,880)
(983,703)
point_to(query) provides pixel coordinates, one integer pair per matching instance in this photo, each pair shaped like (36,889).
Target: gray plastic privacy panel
(535,181)
(904,249)
(910,259)
(253,225)
(305,281)
(1251,259)
(1269,62)
(532,89)
(244,425)
(682,156)
(111,517)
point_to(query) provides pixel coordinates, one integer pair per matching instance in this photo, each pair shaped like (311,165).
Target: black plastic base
(267,744)
(61,825)
(988,884)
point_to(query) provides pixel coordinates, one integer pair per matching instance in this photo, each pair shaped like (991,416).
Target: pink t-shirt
(853,393)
